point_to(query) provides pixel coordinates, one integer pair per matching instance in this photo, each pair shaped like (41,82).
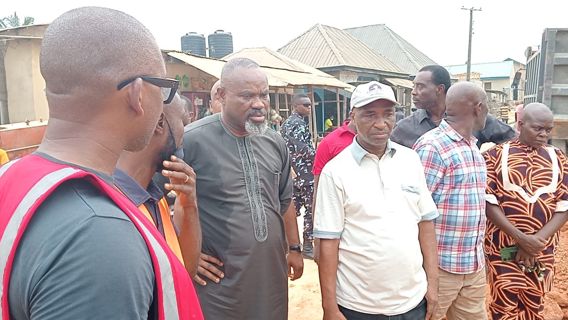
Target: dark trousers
(303,197)
(418,313)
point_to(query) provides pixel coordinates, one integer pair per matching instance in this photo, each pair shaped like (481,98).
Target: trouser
(461,296)
(419,312)
(516,295)
(303,196)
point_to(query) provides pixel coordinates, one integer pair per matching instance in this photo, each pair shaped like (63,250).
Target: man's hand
(209,268)
(431,300)
(532,244)
(182,181)
(525,260)
(295,265)
(333,314)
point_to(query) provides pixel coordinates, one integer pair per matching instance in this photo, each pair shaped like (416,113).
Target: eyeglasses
(307,105)
(167,86)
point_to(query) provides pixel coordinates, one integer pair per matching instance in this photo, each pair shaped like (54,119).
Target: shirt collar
(136,193)
(525,147)
(359,152)
(453,134)
(296,114)
(421,115)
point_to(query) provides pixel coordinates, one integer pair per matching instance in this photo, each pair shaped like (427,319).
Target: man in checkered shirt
(456,175)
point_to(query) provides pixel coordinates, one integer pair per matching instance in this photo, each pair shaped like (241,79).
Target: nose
(380,123)
(413,92)
(257,103)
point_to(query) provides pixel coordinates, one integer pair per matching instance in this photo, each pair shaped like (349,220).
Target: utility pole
(471,10)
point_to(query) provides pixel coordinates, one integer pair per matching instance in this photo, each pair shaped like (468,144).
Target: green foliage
(13,21)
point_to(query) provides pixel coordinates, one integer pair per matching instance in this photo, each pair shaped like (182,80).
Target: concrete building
(22,88)
(504,81)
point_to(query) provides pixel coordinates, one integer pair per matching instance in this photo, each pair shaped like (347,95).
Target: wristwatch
(295,247)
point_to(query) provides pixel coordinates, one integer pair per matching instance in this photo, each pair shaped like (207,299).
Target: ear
(161,125)
(135,97)
(221,93)
(441,89)
(477,109)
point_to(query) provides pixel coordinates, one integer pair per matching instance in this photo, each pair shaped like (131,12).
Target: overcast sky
(504,28)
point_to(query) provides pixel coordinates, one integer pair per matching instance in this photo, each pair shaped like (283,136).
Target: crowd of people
(406,218)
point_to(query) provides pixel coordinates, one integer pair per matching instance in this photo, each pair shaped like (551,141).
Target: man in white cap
(374,221)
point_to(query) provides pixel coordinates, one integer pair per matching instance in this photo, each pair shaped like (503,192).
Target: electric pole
(471,10)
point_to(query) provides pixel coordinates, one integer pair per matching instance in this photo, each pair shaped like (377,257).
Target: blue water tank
(220,44)
(194,43)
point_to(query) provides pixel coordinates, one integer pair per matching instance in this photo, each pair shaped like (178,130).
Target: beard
(256,129)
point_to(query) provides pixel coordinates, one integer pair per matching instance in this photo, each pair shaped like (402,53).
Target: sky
(503,29)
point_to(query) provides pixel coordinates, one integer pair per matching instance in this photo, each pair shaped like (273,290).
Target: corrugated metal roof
(384,41)
(277,77)
(502,69)
(207,65)
(400,82)
(325,46)
(269,58)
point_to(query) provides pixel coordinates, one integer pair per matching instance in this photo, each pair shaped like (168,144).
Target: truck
(547,80)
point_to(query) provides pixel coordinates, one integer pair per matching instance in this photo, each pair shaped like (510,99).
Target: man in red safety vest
(71,245)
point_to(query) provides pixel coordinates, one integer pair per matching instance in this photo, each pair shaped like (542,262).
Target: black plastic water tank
(194,43)
(220,44)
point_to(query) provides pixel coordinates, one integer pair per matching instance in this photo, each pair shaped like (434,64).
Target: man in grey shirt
(81,256)
(244,190)
(429,95)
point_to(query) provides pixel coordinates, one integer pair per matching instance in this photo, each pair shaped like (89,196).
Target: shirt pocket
(411,196)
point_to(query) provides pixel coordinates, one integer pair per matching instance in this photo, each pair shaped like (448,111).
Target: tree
(14,21)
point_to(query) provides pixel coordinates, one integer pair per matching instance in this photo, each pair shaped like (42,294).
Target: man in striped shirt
(456,175)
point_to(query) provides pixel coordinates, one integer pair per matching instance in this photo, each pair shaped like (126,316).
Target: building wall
(40,100)
(500,84)
(196,80)
(24,83)
(347,76)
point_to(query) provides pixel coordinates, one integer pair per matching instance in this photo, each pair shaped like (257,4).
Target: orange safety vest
(169,230)
(24,185)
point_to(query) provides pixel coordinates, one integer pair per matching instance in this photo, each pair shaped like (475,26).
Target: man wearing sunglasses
(296,133)
(164,154)
(72,245)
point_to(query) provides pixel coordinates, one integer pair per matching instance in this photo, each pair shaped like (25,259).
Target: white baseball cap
(369,92)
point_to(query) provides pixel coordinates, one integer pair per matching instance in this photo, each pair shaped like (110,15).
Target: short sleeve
(322,157)
(330,217)
(562,191)
(426,205)
(434,167)
(492,193)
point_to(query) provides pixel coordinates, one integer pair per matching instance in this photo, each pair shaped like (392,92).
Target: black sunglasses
(307,105)
(167,86)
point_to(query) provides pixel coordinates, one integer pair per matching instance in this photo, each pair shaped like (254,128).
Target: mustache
(256,112)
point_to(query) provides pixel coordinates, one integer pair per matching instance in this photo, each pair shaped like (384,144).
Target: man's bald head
(176,110)
(214,88)
(88,51)
(233,65)
(467,102)
(537,111)
(536,125)
(215,104)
